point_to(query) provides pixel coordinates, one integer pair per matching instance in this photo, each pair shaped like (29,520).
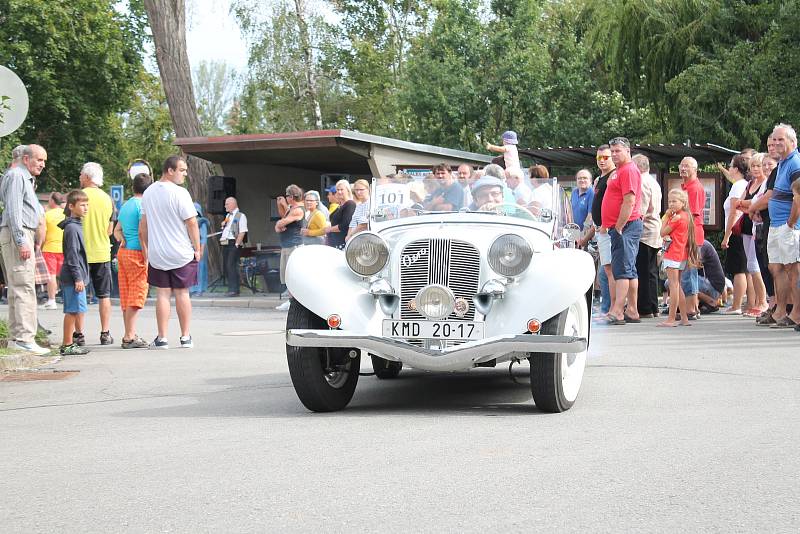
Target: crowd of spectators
(163,235)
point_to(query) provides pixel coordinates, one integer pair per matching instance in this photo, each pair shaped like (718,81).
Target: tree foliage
(80,60)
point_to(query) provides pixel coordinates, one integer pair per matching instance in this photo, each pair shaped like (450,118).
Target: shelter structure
(264,164)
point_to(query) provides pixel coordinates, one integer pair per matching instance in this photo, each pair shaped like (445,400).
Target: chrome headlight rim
(523,251)
(451,302)
(357,244)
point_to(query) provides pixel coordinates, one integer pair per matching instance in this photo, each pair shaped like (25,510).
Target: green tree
(377,38)
(215,85)
(276,90)
(441,89)
(79,60)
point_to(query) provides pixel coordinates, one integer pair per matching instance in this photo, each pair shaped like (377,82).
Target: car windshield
(544,201)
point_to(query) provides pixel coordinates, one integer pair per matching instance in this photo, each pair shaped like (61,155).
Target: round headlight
(435,301)
(366,254)
(510,255)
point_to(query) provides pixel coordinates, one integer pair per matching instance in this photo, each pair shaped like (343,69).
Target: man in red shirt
(690,280)
(621,215)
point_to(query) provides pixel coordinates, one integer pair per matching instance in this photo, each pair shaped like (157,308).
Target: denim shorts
(689,281)
(706,288)
(74,302)
(624,249)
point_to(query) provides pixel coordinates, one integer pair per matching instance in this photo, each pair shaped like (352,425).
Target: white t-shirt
(166,207)
(523,195)
(543,195)
(737,191)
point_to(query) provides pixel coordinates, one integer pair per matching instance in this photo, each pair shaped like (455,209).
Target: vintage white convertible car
(442,291)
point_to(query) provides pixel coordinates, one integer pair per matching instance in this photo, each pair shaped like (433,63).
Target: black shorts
(100,274)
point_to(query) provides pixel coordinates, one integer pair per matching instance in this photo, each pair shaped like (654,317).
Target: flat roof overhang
(657,153)
(322,150)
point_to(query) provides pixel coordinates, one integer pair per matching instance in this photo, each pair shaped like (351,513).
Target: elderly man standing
(649,244)
(697,202)
(465,180)
(168,230)
(234,231)
(621,212)
(784,232)
(21,218)
(97,227)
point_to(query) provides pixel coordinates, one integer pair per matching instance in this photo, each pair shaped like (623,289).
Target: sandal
(611,320)
(784,322)
(631,319)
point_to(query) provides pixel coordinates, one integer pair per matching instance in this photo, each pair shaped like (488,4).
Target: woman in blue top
(202,269)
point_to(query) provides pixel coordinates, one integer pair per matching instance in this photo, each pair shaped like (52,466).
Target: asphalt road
(686,429)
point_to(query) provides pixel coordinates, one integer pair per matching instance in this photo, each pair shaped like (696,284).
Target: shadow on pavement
(483,392)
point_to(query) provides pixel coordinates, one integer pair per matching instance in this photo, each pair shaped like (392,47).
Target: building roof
(323,150)
(658,153)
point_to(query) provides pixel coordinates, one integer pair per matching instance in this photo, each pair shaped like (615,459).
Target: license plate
(433,329)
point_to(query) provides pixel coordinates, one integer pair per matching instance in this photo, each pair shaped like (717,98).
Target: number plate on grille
(433,329)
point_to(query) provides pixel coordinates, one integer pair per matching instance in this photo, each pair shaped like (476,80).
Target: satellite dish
(13,102)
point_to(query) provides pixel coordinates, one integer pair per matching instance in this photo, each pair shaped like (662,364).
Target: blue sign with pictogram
(117,196)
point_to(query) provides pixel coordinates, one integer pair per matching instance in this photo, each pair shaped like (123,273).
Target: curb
(230,302)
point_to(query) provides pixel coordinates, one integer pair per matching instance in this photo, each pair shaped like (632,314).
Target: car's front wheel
(556,377)
(323,378)
(385,368)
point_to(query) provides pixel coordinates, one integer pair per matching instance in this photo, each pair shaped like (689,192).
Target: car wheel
(556,377)
(324,379)
(385,368)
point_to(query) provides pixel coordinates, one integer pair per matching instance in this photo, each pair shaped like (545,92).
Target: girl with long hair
(678,225)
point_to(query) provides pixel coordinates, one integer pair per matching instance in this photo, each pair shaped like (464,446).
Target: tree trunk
(168,24)
(308,63)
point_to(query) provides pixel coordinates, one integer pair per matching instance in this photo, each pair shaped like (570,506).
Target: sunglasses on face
(603,158)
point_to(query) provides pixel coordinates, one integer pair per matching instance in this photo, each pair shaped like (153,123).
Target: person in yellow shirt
(314,223)
(52,247)
(97,227)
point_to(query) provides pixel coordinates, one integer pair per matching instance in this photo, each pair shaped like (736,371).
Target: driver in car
(488,193)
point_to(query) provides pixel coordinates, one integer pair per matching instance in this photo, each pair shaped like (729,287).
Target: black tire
(385,368)
(547,375)
(324,379)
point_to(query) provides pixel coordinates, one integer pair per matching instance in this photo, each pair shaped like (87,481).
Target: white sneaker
(50,305)
(186,342)
(283,307)
(28,347)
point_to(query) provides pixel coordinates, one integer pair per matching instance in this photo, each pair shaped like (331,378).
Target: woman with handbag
(755,188)
(735,259)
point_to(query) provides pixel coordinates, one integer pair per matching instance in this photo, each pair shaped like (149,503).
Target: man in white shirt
(515,181)
(169,231)
(234,232)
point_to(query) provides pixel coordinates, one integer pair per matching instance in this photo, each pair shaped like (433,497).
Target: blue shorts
(707,289)
(74,302)
(624,249)
(689,281)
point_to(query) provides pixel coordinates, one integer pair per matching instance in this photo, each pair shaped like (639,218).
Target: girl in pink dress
(679,227)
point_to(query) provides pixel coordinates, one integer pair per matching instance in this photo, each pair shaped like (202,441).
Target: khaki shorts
(285,253)
(783,245)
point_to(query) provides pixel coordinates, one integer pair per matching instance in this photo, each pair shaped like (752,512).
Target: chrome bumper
(458,357)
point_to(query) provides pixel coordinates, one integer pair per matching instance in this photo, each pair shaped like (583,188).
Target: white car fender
(318,277)
(553,281)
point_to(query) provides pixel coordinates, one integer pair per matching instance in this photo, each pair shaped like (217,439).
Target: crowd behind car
(649,263)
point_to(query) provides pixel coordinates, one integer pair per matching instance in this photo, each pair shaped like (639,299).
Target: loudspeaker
(219,188)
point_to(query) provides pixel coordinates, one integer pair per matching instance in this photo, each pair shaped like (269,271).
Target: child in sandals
(679,227)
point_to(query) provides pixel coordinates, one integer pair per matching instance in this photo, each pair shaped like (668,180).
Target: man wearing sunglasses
(606,167)
(621,211)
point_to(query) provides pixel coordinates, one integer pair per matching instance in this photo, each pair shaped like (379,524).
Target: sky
(213,34)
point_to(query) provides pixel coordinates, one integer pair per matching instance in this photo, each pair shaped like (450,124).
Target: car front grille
(449,262)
